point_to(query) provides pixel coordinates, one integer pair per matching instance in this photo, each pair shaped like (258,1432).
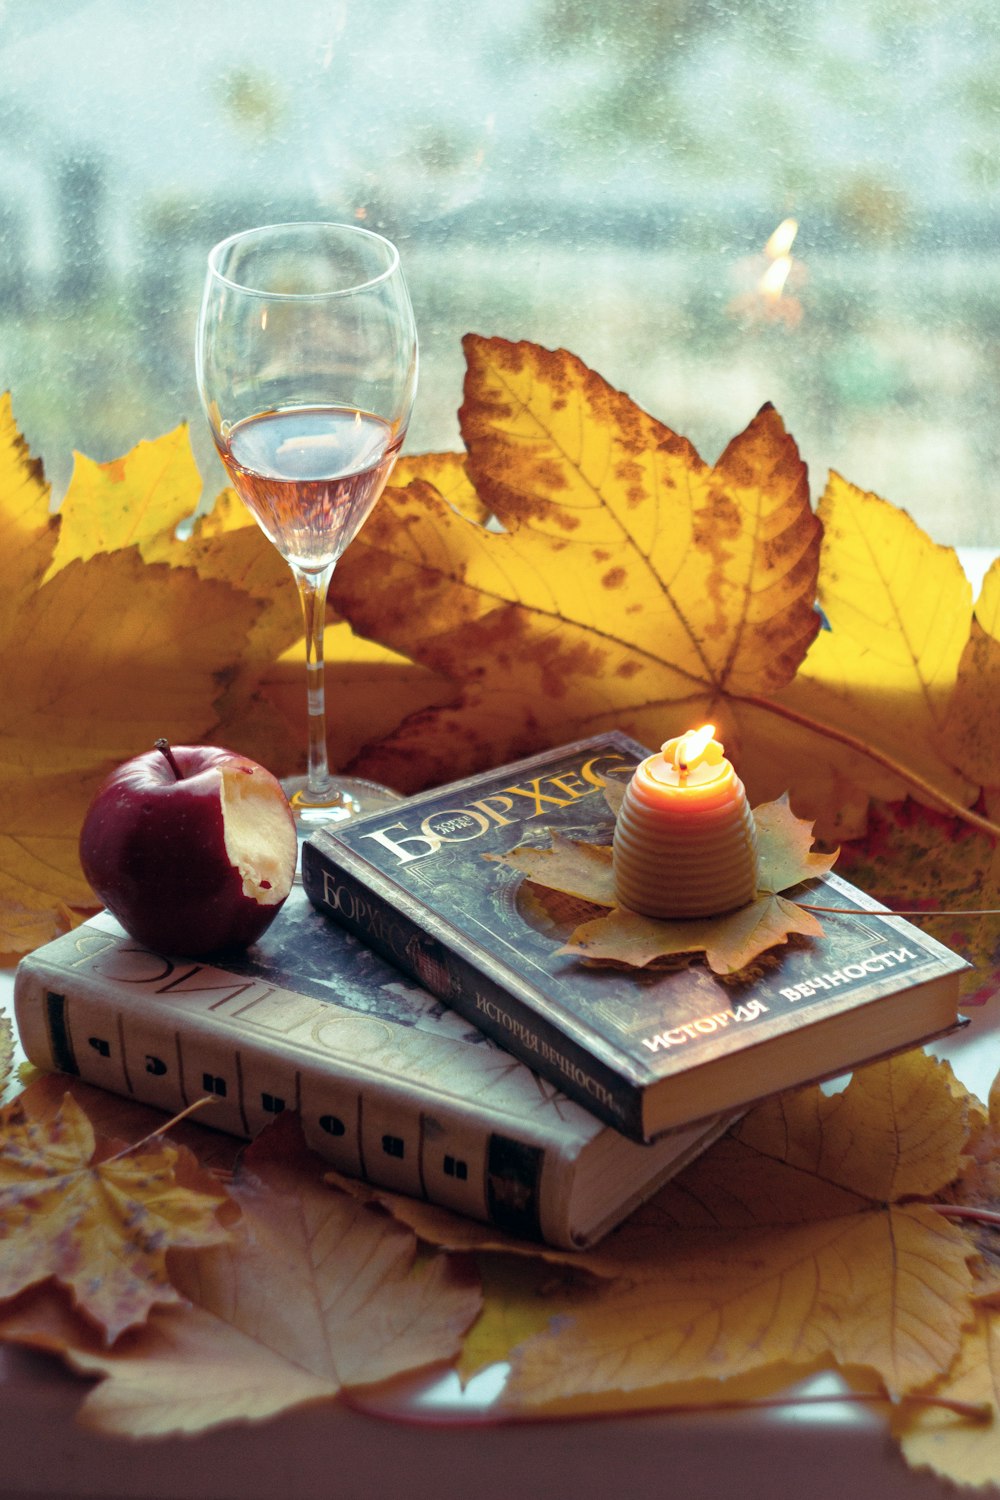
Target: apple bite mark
(192,847)
(260,834)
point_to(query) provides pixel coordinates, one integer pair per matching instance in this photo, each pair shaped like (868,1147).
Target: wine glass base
(346,797)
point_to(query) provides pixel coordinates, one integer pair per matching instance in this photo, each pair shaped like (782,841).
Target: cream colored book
(391,1085)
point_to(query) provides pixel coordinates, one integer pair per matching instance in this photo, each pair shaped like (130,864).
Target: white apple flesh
(192,847)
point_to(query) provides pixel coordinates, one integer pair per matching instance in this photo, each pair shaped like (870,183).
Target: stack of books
(412,1005)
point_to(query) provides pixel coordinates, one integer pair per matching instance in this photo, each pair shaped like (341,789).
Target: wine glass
(306,362)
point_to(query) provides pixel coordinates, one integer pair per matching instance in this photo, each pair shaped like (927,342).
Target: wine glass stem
(313,588)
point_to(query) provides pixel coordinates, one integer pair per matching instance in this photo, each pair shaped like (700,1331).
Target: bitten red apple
(191,847)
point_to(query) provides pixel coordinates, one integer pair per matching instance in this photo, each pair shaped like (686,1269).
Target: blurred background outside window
(714,204)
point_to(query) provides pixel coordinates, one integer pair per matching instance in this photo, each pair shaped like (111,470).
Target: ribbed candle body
(678,856)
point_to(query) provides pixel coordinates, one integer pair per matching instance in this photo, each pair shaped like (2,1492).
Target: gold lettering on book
(525,1035)
(90,945)
(530,1041)
(690,1031)
(133,966)
(849,973)
(460,825)
(358,909)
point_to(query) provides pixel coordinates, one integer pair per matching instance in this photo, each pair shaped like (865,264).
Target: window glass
(713,204)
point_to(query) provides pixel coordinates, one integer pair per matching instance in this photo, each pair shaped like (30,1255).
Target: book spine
(427,957)
(124,1034)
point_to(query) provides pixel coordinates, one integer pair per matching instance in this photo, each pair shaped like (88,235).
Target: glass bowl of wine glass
(306,361)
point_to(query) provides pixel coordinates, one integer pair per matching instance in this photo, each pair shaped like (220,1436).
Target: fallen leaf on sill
(517,1304)
(451,1231)
(184,1371)
(117,1118)
(976,1188)
(312,1293)
(99,1225)
(967,1453)
(798,1239)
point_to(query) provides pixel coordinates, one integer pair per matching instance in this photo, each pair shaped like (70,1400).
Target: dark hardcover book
(646,1050)
(390,1085)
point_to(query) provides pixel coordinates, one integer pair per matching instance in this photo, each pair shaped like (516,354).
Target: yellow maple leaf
(900,611)
(972,727)
(797,1239)
(139,499)
(632,581)
(449,475)
(26,529)
(631,585)
(101,1228)
(102,655)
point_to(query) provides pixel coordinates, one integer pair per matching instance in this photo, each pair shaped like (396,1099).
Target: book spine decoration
(165,1033)
(428,957)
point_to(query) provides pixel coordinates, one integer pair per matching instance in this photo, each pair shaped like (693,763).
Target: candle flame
(691,747)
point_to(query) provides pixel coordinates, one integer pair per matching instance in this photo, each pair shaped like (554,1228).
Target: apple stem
(164,748)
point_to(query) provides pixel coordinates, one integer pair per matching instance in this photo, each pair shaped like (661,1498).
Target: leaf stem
(891,911)
(161,1129)
(987,1216)
(912,778)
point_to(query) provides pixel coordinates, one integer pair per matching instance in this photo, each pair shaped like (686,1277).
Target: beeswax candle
(685,844)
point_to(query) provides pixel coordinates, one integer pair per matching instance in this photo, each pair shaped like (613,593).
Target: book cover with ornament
(624,923)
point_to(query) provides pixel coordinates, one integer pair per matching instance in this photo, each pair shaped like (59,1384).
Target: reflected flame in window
(772,283)
(779,246)
(768,300)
